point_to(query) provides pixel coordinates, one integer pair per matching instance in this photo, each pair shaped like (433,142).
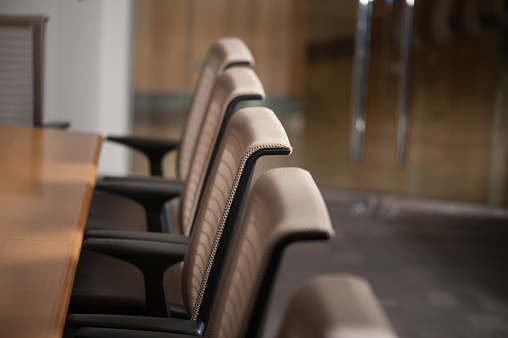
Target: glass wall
(441,62)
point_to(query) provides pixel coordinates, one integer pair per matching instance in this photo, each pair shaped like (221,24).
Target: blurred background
(398,108)
(305,56)
(386,96)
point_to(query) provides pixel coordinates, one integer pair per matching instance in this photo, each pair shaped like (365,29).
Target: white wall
(87,67)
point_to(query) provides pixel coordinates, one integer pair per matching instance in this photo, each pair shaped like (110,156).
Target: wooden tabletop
(46,182)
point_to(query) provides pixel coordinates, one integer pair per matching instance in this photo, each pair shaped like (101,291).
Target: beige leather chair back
(234,84)
(285,204)
(224,53)
(250,131)
(335,306)
(21,69)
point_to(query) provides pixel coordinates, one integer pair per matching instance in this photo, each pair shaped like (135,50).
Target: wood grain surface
(46,181)
(172,38)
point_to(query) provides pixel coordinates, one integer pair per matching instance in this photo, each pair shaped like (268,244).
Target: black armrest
(92,332)
(154,149)
(138,235)
(146,255)
(142,179)
(57,124)
(151,195)
(171,325)
(152,258)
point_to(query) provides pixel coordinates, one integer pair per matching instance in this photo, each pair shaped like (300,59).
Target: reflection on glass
(406,52)
(360,79)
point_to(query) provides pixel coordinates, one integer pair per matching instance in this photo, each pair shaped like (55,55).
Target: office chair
(252,132)
(335,306)
(224,53)
(22,71)
(284,206)
(234,85)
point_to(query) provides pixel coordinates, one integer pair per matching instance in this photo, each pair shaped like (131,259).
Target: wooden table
(46,182)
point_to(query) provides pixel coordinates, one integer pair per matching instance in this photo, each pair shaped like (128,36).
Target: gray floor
(444,275)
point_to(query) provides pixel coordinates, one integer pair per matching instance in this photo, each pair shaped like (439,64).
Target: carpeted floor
(439,270)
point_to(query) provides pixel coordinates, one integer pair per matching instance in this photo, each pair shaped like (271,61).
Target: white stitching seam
(225,214)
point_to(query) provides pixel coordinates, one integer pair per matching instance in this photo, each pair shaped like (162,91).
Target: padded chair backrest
(224,53)
(251,133)
(21,69)
(284,205)
(234,85)
(335,306)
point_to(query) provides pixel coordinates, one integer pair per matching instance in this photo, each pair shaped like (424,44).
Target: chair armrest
(138,235)
(146,255)
(171,325)
(151,195)
(92,332)
(152,258)
(57,124)
(141,179)
(154,149)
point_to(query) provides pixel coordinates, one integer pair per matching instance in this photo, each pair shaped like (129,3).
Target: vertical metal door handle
(406,52)
(360,79)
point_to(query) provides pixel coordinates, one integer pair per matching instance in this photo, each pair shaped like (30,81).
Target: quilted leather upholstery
(335,306)
(249,130)
(234,83)
(224,52)
(284,202)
